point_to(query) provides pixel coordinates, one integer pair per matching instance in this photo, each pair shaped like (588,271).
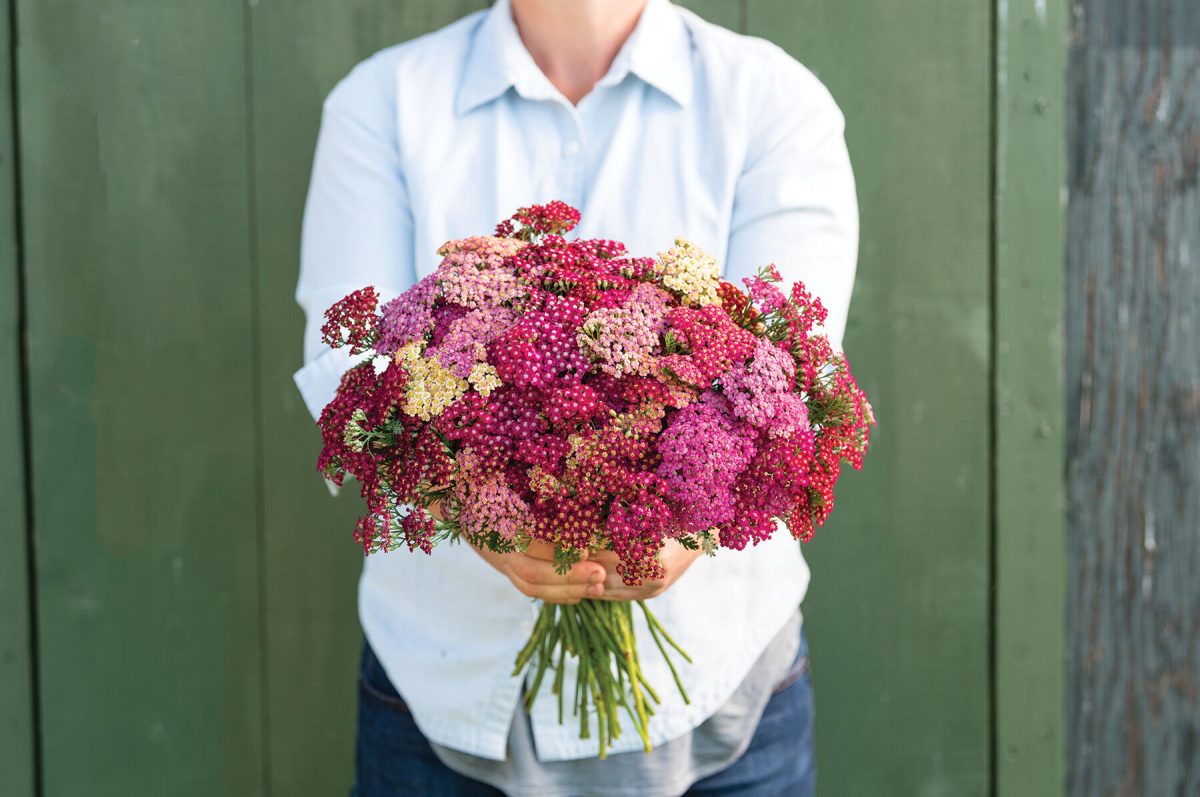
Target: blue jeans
(393,758)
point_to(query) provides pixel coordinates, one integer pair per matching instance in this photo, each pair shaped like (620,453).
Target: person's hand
(674,558)
(532,572)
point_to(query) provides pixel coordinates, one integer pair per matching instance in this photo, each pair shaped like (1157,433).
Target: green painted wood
(16,656)
(300,49)
(898,612)
(1030,524)
(134,169)
(1133,408)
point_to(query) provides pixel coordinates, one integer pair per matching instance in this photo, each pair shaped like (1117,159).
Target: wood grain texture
(1030,525)
(1133,376)
(301,48)
(898,611)
(17,733)
(134,169)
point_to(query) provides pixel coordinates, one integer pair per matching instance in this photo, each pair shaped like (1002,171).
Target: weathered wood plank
(898,609)
(1133,377)
(1030,524)
(134,162)
(17,743)
(300,49)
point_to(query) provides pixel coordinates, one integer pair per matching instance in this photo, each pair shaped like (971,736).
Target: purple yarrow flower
(761,391)
(408,317)
(466,337)
(703,448)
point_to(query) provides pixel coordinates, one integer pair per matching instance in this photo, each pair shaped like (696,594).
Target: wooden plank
(134,169)
(1030,525)
(300,49)
(898,612)
(17,732)
(1133,408)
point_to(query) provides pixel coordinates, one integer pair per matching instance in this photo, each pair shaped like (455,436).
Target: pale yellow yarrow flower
(431,387)
(690,272)
(484,379)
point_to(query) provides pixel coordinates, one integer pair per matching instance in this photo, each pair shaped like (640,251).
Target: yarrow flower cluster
(623,340)
(538,388)
(561,390)
(690,273)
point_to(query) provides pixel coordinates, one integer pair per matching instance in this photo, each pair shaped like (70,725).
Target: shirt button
(572,149)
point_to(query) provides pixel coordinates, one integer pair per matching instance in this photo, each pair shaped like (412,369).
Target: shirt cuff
(318,380)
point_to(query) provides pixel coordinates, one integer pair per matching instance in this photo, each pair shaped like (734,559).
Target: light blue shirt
(694,132)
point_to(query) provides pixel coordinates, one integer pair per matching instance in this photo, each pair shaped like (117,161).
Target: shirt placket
(572,157)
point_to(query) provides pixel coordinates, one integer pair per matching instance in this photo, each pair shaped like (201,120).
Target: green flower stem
(653,621)
(551,640)
(600,635)
(629,650)
(598,698)
(557,689)
(535,639)
(671,664)
(603,619)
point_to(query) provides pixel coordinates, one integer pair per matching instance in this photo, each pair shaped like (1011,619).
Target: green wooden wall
(183,588)
(898,611)
(17,745)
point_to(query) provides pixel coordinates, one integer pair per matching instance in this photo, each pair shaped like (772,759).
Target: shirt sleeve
(358,226)
(795,202)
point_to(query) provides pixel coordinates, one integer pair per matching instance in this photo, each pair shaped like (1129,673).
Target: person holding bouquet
(656,124)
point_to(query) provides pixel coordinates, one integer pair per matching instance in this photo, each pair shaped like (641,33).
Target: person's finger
(606,558)
(540,571)
(613,579)
(540,550)
(620,592)
(558,593)
(545,550)
(624,594)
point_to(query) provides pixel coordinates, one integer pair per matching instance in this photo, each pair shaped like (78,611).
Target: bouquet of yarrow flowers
(538,388)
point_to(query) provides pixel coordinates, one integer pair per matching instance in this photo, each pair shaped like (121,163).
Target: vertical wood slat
(1133,376)
(1029,500)
(137,262)
(17,732)
(300,49)
(898,611)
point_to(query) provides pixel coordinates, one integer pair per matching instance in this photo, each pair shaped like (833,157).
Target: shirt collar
(658,51)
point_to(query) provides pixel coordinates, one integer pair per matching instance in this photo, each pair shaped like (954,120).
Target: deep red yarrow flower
(352,321)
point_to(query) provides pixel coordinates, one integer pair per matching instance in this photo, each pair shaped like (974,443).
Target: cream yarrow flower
(690,272)
(430,387)
(484,379)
